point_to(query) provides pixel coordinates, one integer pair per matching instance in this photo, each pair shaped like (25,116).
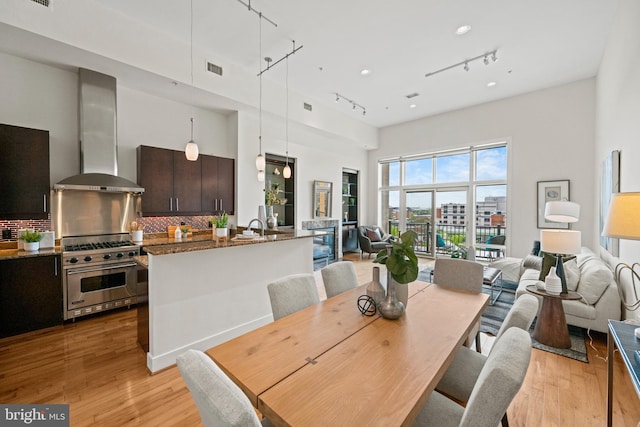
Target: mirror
(321,199)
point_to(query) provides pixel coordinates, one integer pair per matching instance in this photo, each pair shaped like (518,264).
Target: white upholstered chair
(219,400)
(461,376)
(339,277)
(460,274)
(292,293)
(498,382)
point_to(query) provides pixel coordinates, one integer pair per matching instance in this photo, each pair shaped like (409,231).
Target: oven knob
(119,254)
(132,253)
(87,258)
(73,260)
(106,256)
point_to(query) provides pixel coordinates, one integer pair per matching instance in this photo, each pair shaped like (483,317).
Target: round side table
(551,327)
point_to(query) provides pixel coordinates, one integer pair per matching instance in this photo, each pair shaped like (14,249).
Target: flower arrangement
(271,196)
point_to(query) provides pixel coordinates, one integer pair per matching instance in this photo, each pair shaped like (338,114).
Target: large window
(453,200)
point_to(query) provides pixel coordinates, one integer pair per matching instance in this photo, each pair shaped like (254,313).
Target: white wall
(618,113)
(551,134)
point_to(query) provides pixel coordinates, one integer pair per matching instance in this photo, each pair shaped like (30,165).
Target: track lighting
(465,64)
(352,102)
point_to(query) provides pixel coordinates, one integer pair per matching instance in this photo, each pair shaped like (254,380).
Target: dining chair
(461,274)
(339,277)
(498,382)
(292,293)
(461,376)
(219,400)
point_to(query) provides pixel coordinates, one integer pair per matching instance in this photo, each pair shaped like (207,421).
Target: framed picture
(322,199)
(610,184)
(551,191)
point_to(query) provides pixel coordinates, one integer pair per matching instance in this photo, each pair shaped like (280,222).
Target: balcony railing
(450,237)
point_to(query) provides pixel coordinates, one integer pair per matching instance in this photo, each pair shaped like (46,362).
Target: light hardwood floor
(97,367)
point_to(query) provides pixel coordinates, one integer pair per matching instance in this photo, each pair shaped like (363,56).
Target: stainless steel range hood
(98,138)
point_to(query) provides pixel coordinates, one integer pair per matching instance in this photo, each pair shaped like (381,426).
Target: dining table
(328,364)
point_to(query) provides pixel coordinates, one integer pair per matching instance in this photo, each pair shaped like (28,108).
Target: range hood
(98,138)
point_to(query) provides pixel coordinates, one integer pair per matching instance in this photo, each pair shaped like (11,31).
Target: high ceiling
(539,44)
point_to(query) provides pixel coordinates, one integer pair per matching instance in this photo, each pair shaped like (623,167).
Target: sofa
(586,274)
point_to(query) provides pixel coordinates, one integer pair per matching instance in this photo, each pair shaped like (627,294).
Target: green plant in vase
(400,259)
(32,236)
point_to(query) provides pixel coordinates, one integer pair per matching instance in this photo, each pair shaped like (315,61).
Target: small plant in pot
(31,240)
(220,222)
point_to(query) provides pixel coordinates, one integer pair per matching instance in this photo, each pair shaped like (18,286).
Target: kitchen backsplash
(16,224)
(152,224)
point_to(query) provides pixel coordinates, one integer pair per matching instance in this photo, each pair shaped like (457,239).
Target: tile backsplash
(16,224)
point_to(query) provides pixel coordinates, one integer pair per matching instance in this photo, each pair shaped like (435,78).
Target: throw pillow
(572,274)
(549,261)
(595,277)
(373,235)
(532,261)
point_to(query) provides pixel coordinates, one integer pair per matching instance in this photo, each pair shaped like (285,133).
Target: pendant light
(191,150)
(286,172)
(260,161)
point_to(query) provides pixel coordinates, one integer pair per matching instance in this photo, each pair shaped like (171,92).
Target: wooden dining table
(329,365)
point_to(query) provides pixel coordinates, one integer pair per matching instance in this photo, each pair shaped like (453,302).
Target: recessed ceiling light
(491,84)
(464,29)
(412,106)
(365,72)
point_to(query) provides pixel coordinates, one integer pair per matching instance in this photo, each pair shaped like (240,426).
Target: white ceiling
(540,44)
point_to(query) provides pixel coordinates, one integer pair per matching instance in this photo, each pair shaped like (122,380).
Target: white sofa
(589,275)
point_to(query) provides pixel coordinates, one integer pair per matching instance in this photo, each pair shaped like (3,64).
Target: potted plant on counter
(31,240)
(220,223)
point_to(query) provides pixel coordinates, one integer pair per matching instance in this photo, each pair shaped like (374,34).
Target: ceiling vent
(213,68)
(44,3)
(308,107)
(412,95)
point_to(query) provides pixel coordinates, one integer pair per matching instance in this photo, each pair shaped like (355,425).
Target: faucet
(259,222)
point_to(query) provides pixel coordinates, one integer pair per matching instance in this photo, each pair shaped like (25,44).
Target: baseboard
(163,361)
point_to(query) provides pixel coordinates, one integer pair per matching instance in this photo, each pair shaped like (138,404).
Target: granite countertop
(9,250)
(161,244)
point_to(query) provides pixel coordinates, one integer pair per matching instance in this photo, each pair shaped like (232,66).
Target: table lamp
(560,243)
(623,222)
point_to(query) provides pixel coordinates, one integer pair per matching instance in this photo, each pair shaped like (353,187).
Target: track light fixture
(353,103)
(465,64)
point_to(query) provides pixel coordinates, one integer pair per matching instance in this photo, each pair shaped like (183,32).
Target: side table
(621,335)
(551,327)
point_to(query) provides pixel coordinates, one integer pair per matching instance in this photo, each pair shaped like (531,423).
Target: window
(474,177)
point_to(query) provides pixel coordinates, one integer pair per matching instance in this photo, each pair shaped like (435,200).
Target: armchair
(372,239)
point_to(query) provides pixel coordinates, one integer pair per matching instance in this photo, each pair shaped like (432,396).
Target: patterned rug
(494,315)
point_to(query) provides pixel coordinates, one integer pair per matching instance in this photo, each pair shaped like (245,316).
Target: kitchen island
(202,293)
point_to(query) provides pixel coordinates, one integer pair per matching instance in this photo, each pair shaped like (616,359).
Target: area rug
(494,315)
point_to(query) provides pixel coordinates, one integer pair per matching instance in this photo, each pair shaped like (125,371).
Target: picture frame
(609,184)
(550,191)
(322,193)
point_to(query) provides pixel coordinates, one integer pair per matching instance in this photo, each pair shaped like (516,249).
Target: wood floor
(96,366)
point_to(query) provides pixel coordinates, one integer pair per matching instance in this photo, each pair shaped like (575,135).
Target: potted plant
(31,240)
(402,268)
(220,223)
(184,230)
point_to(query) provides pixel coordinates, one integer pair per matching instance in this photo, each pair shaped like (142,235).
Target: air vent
(213,68)
(44,3)
(308,107)
(412,95)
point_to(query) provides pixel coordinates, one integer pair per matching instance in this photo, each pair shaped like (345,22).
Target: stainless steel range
(99,273)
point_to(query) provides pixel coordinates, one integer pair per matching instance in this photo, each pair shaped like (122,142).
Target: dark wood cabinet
(187,184)
(218,184)
(30,294)
(349,237)
(176,186)
(24,173)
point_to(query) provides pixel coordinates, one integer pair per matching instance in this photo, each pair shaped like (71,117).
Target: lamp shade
(191,151)
(623,218)
(565,242)
(562,211)
(260,162)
